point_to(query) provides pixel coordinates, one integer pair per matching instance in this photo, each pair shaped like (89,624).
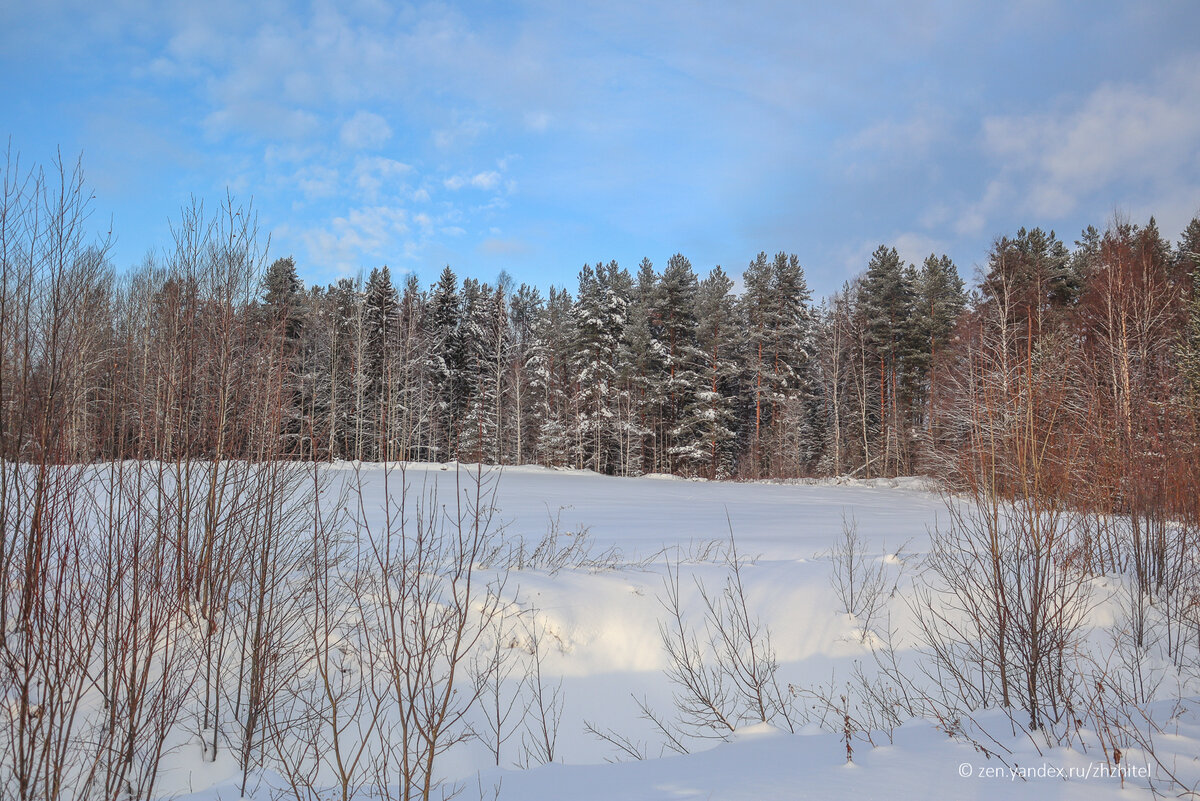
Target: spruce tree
(446,363)
(641,373)
(718,332)
(600,315)
(381,319)
(797,433)
(1187,259)
(340,312)
(484,335)
(628,431)
(681,362)
(412,388)
(526,309)
(283,312)
(499,362)
(552,384)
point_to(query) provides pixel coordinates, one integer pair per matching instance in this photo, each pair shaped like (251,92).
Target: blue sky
(535,136)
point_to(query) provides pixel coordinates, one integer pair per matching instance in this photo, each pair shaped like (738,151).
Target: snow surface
(603,641)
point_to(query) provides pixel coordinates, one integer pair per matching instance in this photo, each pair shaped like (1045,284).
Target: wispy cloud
(1142,135)
(375,175)
(632,129)
(907,138)
(364,233)
(365,131)
(483,180)
(316,181)
(538,121)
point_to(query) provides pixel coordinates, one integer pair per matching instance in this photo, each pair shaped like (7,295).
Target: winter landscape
(378,626)
(606,401)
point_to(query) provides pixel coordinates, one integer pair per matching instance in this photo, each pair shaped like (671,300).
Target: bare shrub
(322,729)
(52,640)
(862,584)
(725,672)
(498,687)
(558,549)
(426,608)
(543,711)
(1002,617)
(148,658)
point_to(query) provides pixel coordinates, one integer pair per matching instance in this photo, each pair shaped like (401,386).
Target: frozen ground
(602,640)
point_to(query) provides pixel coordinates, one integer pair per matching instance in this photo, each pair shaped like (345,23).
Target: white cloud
(316,181)
(375,174)
(459,132)
(915,247)
(974,216)
(854,258)
(538,121)
(264,118)
(881,148)
(914,136)
(912,246)
(365,131)
(1120,139)
(284,153)
(361,238)
(485,180)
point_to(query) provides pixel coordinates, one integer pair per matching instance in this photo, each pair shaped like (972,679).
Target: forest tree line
(181,410)
(209,351)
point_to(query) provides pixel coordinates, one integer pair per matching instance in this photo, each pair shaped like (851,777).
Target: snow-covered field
(602,652)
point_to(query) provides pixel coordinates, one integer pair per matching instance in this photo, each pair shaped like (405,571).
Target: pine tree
(887,302)
(758,315)
(282,299)
(1033,278)
(940,301)
(1086,253)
